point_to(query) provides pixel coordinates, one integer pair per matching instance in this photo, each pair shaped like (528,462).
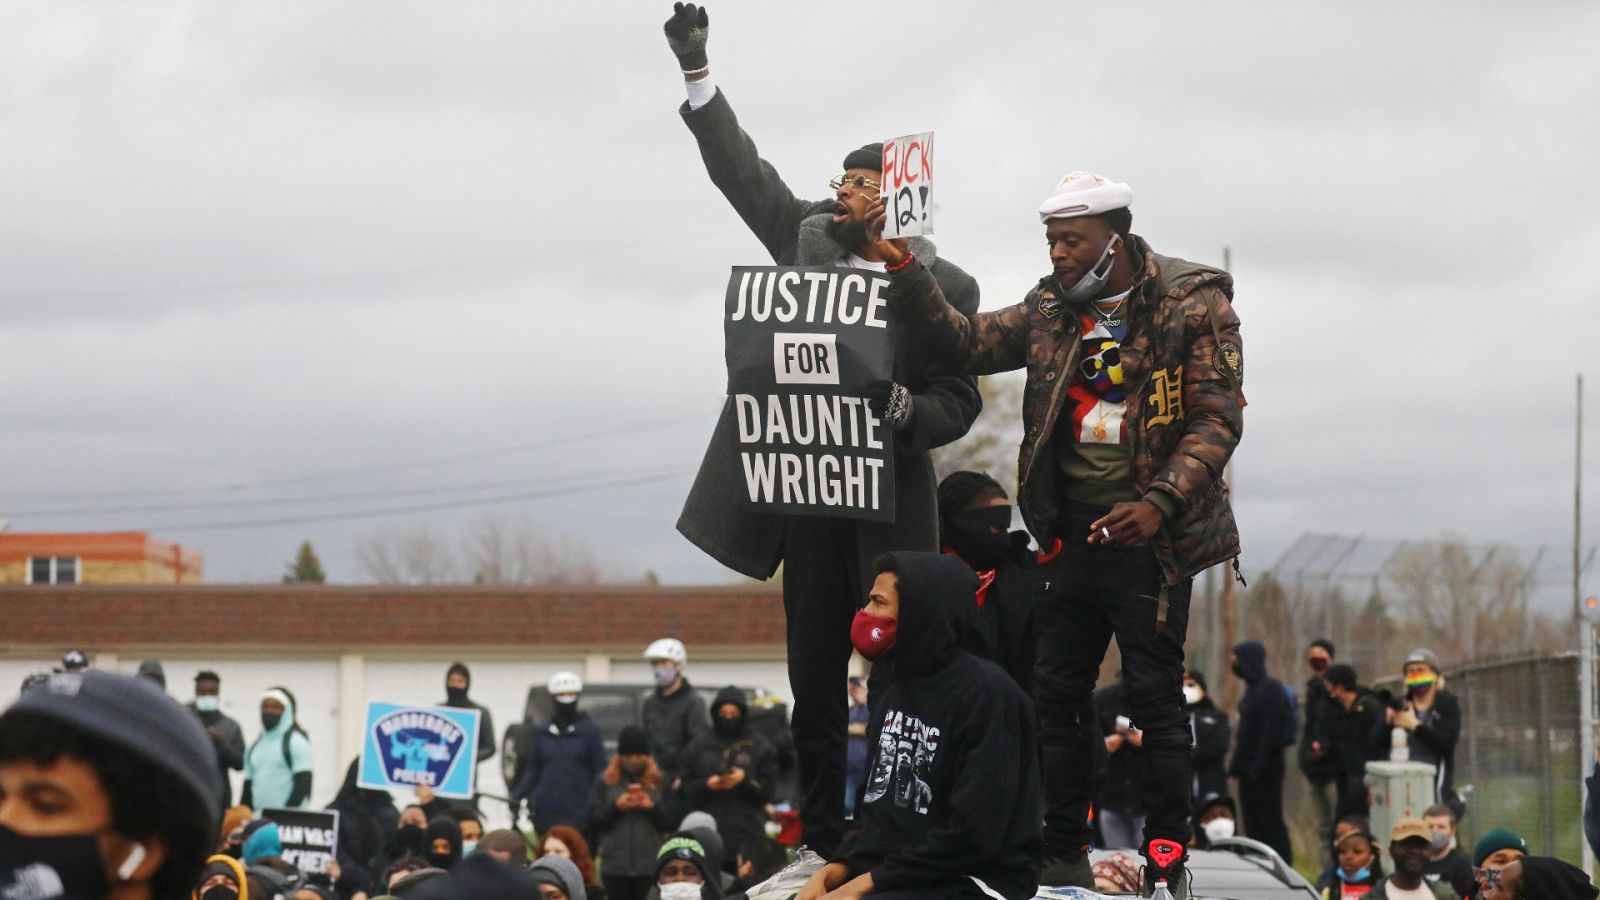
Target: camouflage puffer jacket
(1184,359)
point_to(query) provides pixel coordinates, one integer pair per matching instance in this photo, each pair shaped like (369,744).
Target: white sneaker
(791,878)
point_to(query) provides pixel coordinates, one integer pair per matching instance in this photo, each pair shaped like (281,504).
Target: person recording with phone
(1431,717)
(627,817)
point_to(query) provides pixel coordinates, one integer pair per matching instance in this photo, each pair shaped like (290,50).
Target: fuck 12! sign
(908,185)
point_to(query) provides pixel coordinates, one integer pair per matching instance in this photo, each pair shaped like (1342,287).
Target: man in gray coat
(226,737)
(826,561)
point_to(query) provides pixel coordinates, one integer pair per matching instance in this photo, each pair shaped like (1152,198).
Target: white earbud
(132,863)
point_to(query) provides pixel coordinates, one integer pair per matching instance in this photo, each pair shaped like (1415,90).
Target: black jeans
(1087,595)
(821,592)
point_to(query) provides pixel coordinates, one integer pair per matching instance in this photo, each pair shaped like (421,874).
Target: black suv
(611,706)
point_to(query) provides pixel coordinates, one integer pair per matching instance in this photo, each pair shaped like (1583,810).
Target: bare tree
(409,556)
(504,550)
(991,445)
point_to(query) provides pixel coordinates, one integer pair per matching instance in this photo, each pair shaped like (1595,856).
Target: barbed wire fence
(1501,620)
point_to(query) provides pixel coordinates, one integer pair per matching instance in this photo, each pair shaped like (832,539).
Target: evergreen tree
(306,568)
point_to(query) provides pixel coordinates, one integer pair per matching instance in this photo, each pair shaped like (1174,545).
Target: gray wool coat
(945,400)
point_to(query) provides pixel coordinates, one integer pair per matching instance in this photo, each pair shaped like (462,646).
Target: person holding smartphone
(627,817)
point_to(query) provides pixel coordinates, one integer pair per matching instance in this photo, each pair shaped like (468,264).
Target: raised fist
(686,35)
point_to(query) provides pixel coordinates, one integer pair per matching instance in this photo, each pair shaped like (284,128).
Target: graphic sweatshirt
(953,789)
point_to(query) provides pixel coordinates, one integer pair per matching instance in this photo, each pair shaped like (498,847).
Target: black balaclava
(729,728)
(457,696)
(565,715)
(1251,661)
(1548,878)
(972,535)
(449,829)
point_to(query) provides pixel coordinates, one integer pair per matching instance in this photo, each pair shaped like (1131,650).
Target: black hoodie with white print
(953,779)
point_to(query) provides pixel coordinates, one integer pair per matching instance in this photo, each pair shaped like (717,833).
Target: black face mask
(566,712)
(410,838)
(1238,670)
(219,892)
(729,727)
(971,534)
(29,864)
(455,695)
(270,721)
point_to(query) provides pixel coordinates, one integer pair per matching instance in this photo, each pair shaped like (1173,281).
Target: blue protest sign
(405,746)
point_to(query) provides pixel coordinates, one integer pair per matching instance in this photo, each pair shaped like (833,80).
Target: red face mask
(872,635)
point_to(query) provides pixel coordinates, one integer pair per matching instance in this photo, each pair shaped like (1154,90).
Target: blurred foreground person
(108,789)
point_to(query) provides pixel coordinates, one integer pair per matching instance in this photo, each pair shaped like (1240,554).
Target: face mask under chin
(1093,281)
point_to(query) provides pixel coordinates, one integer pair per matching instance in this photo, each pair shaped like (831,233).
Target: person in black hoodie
(444,843)
(1258,749)
(974,513)
(953,804)
(366,817)
(731,772)
(1212,734)
(457,682)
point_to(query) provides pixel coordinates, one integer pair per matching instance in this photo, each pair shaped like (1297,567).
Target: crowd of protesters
(980,758)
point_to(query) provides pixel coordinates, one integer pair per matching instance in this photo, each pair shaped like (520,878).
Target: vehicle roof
(1217,874)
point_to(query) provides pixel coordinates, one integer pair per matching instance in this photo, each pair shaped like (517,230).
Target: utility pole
(1585,623)
(1230,600)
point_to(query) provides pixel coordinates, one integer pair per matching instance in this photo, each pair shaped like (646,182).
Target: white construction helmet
(667,648)
(565,683)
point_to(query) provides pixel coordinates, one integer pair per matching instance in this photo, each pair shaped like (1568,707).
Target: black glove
(891,403)
(686,35)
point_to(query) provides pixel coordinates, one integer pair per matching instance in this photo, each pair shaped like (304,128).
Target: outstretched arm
(977,343)
(751,184)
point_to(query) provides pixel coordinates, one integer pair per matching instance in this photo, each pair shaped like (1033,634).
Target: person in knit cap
(686,870)
(558,878)
(108,788)
(628,817)
(974,524)
(826,561)
(1498,848)
(1121,482)
(1540,878)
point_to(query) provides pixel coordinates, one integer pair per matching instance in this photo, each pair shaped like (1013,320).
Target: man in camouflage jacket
(1132,408)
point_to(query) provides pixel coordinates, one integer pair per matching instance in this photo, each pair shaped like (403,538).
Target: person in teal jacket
(277,767)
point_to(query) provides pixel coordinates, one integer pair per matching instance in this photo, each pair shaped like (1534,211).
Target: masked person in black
(108,789)
(952,805)
(1319,759)
(562,761)
(1212,737)
(1264,714)
(974,523)
(457,682)
(444,843)
(731,773)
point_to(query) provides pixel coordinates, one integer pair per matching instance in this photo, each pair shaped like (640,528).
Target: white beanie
(1084,194)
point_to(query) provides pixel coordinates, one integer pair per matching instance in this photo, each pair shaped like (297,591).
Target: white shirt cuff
(700,92)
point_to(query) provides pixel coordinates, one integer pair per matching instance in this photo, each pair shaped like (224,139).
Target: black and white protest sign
(801,340)
(310,837)
(908,185)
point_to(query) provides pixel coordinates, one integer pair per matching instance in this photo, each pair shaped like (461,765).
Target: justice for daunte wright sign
(801,341)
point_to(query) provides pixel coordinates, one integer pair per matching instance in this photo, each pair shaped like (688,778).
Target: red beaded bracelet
(901,266)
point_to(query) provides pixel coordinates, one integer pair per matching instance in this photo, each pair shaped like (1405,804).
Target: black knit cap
(1547,877)
(1341,676)
(868,156)
(632,741)
(135,715)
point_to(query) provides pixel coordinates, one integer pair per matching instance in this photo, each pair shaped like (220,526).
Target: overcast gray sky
(386,251)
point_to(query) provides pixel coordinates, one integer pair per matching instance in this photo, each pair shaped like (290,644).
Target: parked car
(1233,869)
(611,706)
